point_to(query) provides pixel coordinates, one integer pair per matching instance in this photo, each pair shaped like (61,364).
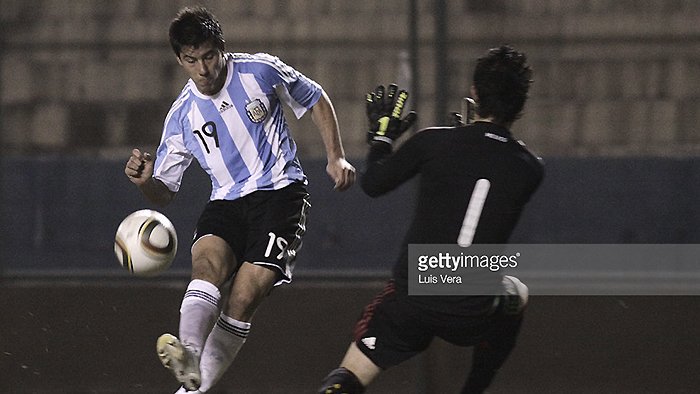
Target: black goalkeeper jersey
(451,163)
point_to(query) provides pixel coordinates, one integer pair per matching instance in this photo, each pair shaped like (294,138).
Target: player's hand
(342,173)
(384,110)
(139,167)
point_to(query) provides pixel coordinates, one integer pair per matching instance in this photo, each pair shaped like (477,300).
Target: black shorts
(393,329)
(264,228)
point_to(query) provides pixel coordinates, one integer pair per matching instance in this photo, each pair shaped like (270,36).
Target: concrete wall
(611,77)
(59,215)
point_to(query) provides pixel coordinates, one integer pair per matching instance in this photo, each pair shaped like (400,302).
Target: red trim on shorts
(368,312)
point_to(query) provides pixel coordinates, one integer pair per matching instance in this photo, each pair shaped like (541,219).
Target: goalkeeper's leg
(341,380)
(356,372)
(386,335)
(490,354)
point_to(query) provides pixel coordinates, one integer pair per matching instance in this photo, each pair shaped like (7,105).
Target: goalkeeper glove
(384,114)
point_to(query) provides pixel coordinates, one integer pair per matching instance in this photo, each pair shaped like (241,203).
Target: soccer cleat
(181,360)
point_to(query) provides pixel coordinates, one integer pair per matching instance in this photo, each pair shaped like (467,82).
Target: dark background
(99,337)
(613,109)
(74,322)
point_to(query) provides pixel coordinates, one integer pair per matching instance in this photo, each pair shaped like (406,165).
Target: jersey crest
(256,111)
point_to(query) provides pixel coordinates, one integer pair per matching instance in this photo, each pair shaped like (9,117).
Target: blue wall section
(615,200)
(59,214)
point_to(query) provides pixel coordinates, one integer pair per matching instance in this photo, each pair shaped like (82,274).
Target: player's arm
(139,170)
(323,116)
(385,169)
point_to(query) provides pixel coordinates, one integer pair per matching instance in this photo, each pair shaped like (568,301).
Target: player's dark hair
(502,79)
(194,26)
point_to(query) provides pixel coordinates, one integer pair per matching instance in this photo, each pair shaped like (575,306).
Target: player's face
(204,65)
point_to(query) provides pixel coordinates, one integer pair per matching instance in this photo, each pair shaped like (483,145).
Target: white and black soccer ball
(146,243)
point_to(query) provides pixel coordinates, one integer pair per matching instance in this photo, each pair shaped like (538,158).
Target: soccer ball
(145,243)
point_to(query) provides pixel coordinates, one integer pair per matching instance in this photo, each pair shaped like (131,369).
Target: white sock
(222,346)
(198,312)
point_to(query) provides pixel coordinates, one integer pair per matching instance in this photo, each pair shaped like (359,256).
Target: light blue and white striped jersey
(239,136)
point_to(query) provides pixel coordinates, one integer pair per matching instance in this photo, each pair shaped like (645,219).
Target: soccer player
(229,118)
(474,183)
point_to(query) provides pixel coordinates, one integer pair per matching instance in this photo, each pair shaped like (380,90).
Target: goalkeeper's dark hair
(193,26)
(502,79)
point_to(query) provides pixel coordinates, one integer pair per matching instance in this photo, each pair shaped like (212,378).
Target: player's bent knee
(517,295)
(341,380)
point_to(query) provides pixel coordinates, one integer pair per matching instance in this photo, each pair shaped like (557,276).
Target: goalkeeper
(459,167)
